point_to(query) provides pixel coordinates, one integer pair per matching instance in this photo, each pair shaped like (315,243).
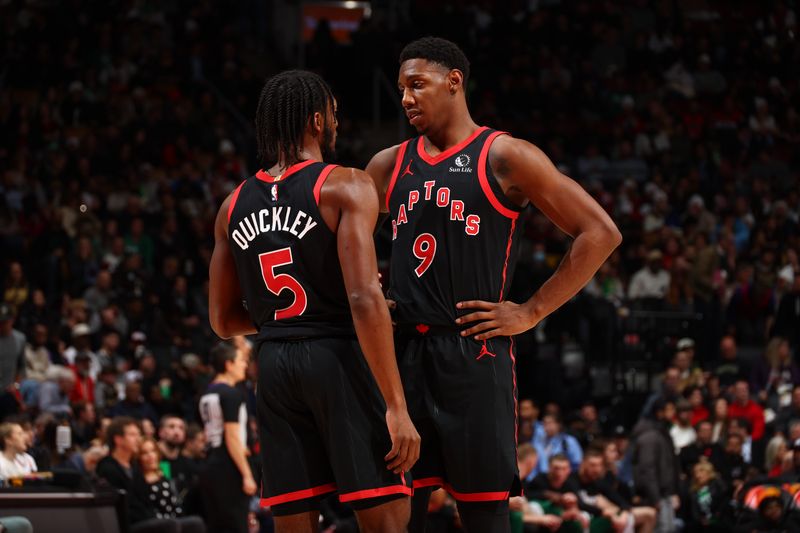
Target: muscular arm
(380,170)
(526,173)
(227,315)
(569,207)
(354,193)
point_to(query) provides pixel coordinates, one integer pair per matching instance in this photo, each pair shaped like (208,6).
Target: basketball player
(454,195)
(294,244)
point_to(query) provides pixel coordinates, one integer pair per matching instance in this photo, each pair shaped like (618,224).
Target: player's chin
(420,126)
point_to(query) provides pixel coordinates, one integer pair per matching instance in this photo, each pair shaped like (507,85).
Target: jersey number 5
(424,249)
(276,283)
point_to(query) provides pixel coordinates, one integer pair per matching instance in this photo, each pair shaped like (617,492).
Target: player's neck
(452,133)
(311,151)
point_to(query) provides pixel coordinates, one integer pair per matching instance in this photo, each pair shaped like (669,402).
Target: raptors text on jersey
(454,232)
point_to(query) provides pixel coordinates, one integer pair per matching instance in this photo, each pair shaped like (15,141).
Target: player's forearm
(230,322)
(238,455)
(586,255)
(374,329)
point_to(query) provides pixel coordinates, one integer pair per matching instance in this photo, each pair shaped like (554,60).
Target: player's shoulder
(383,162)
(507,152)
(351,176)
(390,153)
(226,208)
(506,144)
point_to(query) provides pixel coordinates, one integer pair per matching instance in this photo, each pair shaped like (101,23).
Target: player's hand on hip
(494,319)
(405,441)
(249,486)
(392,305)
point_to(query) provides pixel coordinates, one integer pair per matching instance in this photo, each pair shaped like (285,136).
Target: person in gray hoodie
(655,466)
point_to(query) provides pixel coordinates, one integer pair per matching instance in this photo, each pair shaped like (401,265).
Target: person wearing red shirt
(83,391)
(744,407)
(699,411)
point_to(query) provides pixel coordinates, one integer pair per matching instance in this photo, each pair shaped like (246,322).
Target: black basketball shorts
(462,398)
(322,425)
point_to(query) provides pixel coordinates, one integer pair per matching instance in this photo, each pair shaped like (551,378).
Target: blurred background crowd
(665,395)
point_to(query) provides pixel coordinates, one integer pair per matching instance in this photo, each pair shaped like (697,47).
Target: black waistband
(426,330)
(300,338)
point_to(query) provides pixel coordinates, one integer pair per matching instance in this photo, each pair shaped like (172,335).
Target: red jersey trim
(436,159)
(460,496)
(476,496)
(234,197)
(375,493)
(516,404)
(401,152)
(428,482)
(298,495)
(263,176)
(508,255)
(321,180)
(484,180)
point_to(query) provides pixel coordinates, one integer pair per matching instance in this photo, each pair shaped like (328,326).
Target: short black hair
(437,50)
(702,423)
(163,421)
(223,352)
(287,102)
(117,429)
(743,423)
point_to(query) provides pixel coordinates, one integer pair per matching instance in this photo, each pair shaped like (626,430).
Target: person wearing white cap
(690,374)
(698,219)
(81,343)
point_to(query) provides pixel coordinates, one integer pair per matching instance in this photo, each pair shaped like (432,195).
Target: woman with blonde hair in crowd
(773,457)
(160,490)
(706,498)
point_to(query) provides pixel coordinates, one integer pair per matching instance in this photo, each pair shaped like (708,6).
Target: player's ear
(317,123)
(455,79)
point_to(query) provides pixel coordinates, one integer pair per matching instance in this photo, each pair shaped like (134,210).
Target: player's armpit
(225,311)
(527,170)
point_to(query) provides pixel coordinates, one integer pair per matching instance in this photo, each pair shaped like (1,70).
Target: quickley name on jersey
(286,256)
(454,232)
(256,223)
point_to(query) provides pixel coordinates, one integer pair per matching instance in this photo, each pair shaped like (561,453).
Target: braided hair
(437,50)
(287,102)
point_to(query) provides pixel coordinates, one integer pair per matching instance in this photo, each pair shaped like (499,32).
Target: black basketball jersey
(286,256)
(454,232)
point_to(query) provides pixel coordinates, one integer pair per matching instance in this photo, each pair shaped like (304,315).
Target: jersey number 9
(424,249)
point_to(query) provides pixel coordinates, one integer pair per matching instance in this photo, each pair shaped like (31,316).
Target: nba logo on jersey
(274,192)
